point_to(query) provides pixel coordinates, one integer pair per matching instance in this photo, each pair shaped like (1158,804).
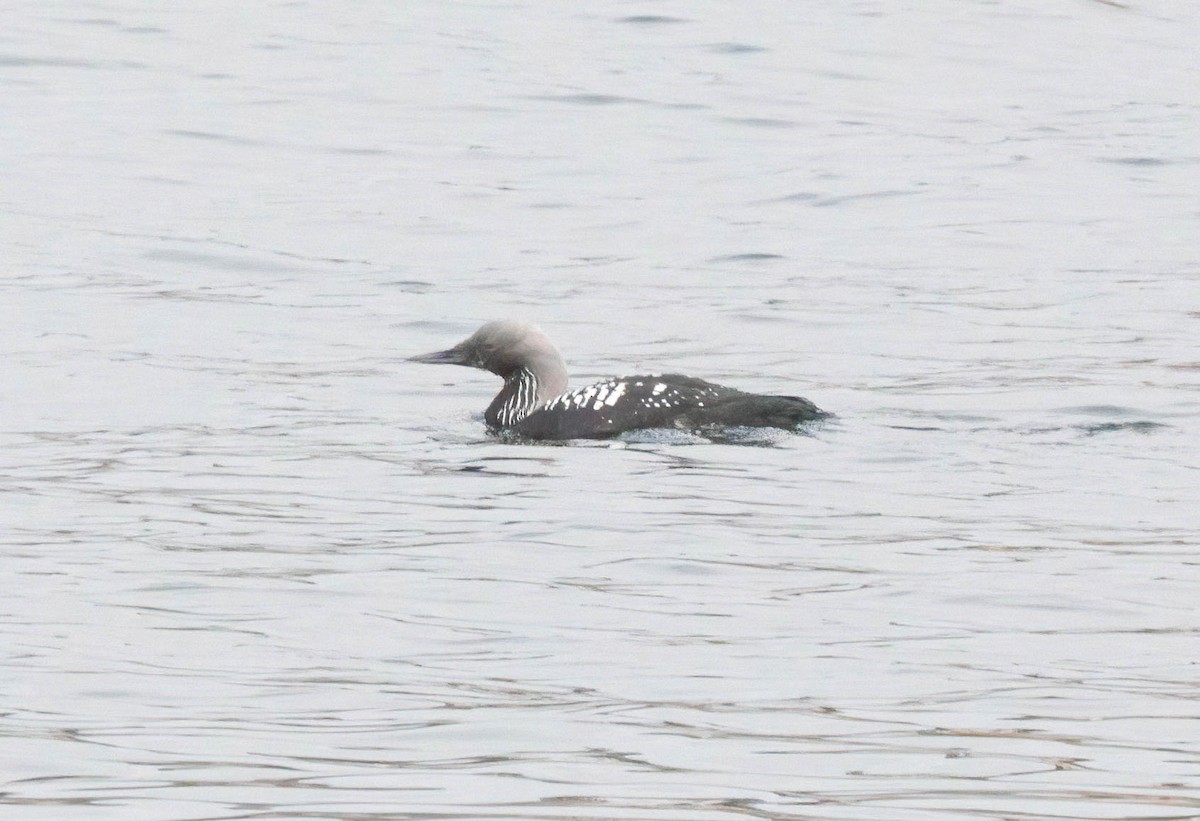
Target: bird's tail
(754,410)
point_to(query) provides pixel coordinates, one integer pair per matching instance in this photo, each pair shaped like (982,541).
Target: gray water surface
(255,565)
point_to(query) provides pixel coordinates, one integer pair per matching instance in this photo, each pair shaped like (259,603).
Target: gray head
(505,347)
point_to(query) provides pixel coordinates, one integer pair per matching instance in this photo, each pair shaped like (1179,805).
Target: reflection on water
(256,565)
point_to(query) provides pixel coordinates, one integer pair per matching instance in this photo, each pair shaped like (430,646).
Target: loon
(535,403)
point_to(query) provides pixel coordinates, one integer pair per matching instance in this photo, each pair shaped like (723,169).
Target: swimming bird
(536,404)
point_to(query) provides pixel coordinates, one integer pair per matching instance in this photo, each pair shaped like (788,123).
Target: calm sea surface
(255,565)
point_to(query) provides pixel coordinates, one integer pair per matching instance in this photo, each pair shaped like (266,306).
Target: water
(255,565)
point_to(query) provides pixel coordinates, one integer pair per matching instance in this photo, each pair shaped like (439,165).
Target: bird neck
(540,378)
(516,400)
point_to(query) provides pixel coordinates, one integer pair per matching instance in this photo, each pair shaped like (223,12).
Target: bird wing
(615,405)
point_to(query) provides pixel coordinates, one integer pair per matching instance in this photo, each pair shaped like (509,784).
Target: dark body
(660,401)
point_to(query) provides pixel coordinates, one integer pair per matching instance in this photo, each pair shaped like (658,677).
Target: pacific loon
(535,402)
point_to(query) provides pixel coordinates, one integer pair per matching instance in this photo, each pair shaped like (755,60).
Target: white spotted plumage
(635,395)
(592,396)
